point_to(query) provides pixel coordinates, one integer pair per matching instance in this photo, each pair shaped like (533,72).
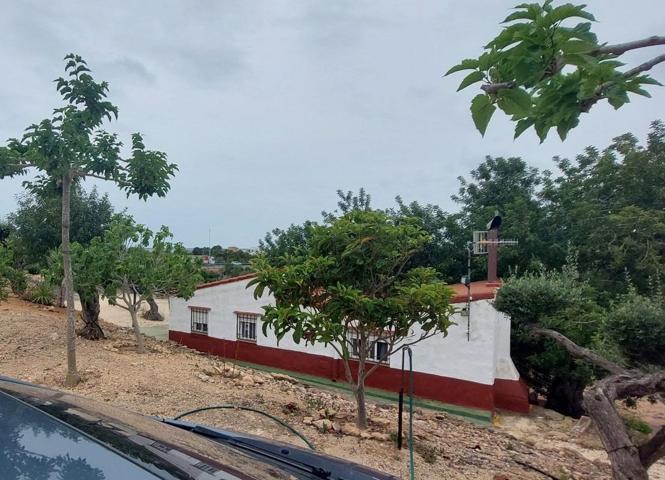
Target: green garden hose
(249,409)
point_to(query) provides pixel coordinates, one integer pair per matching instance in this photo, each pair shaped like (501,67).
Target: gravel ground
(170,379)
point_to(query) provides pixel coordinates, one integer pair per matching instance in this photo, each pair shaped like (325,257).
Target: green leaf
(568,10)
(470,79)
(578,46)
(515,101)
(520,15)
(522,125)
(482,110)
(466,64)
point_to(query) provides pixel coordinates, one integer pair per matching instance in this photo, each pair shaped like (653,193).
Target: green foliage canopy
(547,67)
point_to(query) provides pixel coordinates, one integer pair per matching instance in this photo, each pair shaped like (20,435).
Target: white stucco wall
(481,358)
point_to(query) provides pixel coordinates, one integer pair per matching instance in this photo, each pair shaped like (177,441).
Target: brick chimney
(492,260)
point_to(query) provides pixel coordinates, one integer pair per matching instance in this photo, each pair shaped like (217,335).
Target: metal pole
(469,248)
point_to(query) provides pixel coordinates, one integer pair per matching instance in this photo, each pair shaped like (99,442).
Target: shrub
(637,324)
(41,293)
(18,281)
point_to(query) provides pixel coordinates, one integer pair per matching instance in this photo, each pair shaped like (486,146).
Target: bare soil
(170,379)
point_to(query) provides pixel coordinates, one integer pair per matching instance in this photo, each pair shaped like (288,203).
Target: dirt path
(172,379)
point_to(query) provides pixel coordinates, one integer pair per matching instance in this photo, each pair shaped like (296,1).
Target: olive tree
(629,367)
(544,71)
(138,264)
(349,286)
(71,146)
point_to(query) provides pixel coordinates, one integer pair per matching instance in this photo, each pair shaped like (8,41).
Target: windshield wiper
(314,464)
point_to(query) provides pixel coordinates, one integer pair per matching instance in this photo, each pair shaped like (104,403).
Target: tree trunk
(623,454)
(72,377)
(153,313)
(137,330)
(565,396)
(90,314)
(60,297)
(359,393)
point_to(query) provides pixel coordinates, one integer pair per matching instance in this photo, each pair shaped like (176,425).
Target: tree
(36,222)
(138,264)
(544,72)
(71,146)
(628,459)
(560,301)
(608,206)
(348,286)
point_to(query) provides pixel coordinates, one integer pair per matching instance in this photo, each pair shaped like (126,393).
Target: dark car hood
(104,442)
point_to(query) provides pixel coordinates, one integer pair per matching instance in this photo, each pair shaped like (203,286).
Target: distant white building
(224,318)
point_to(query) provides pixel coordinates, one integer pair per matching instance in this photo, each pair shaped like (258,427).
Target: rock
(350,429)
(382,422)
(365,435)
(381,437)
(53,336)
(203,377)
(582,426)
(283,378)
(246,380)
(324,425)
(307,420)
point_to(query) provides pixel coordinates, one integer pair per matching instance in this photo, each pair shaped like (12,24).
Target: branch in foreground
(621,48)
(579,352)
(654,449)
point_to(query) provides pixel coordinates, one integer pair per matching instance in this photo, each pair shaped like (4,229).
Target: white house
(470,367)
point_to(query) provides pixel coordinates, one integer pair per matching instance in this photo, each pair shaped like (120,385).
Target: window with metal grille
(377,353)
(199,318)
(247,326)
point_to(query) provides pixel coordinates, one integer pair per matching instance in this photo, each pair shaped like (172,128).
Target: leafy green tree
(535,305)
(446,250)
(609,207)
(72,145)
(544,71)
(511,187)
(36,222)
(137,264)
(349,287)
(560,301)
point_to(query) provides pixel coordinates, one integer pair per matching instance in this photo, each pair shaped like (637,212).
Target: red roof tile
(223,281)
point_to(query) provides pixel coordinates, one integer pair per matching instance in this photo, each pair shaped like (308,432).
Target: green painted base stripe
(472,414)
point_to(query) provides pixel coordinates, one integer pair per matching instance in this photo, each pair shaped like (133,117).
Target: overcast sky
(269,107)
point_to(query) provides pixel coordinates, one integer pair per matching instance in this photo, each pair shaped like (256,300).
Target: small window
(199,318)
(377,353)
(246,328)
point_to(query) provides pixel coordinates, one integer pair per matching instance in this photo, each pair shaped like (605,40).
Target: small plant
(40,293)
(425,450)
(638,425)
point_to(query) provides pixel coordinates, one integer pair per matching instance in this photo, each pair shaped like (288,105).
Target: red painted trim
(511,395)
(448,390)
(224,281)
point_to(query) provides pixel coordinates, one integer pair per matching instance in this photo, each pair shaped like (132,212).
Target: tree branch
(579,352)
(645,66)
(621,48)
(654,449)
(491,88)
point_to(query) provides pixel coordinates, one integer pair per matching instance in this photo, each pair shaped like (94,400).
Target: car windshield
(35,445)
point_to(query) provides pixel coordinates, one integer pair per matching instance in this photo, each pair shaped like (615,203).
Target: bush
(18,281)
(41,293)
(637,324)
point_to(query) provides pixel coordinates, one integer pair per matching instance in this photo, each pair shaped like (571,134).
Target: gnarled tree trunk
(629,461)
(153,312)
(90,314)
(133,311)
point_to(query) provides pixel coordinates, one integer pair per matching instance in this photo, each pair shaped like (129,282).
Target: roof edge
(224,281)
